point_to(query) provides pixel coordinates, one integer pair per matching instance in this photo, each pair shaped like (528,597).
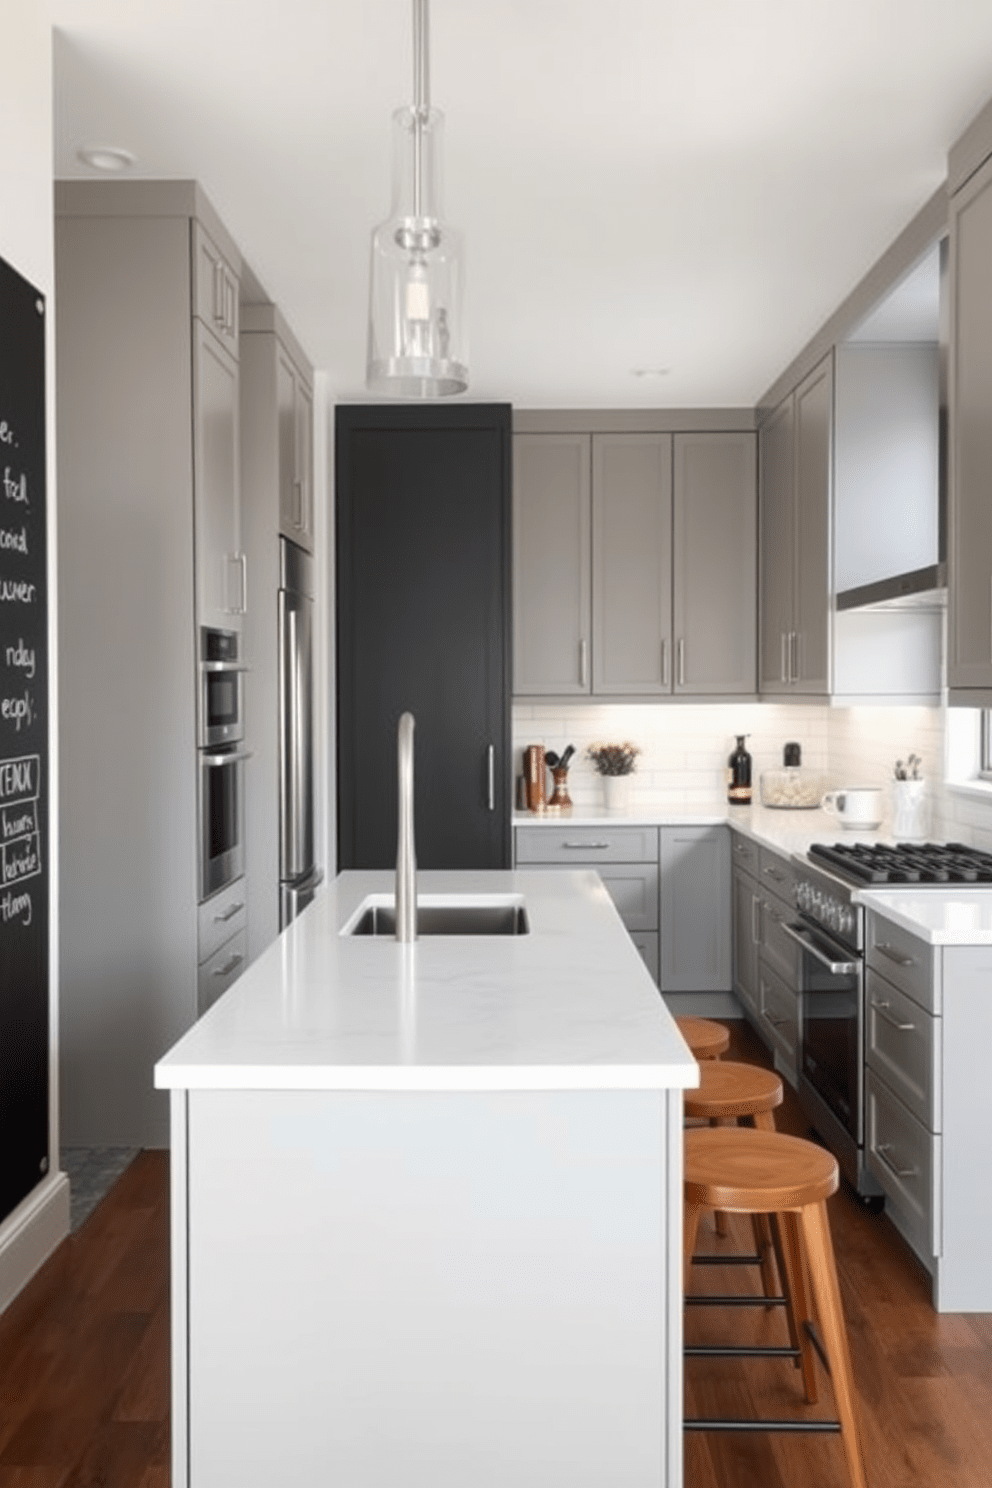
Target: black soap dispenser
(739,778)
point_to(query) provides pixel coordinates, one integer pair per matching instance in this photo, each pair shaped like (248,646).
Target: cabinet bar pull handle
(755,933)
(491,772)
(583,663)
(882,1009)
(228,967)
(794,657)
(773,873)
(243,561)
(891,954)
(786,677)
(596,845)
(218,293)
(298,493)
(776,1022)
(885,1147)
(220,919)
(681,662)
(664,663)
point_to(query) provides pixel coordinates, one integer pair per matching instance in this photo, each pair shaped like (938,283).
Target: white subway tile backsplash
(685,748)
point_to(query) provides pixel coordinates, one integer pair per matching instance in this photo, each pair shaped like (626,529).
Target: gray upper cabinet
(794,521)
(221,565)
(714,567)
(552,611)
(970,528)
(295,399)
(616,534)
(632,563)
(216,289)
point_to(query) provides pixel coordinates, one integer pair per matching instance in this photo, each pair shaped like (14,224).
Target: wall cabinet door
(695,909)
(221,567)
(552,621)
(714,563)
(814,446)
(970,547)
(777,543)
(794,521)
(295,402)
(632,563)
(216,291)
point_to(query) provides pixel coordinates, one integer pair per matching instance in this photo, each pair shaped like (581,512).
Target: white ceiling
(687,184)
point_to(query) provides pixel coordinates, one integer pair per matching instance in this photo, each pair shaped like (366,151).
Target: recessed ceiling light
(650,371)
(105,158)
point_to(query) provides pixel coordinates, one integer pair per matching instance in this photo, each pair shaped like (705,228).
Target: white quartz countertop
(569,1006)
(951,916)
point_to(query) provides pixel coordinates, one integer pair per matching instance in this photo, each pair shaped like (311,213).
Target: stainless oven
(829,932)
(222,817)
(222,712)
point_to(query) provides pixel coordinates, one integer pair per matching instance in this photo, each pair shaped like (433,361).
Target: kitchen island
(426,1205)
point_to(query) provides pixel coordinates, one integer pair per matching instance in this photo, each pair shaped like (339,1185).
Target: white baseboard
(31,1233)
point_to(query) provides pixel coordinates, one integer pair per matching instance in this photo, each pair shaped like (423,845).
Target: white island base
(465,1276)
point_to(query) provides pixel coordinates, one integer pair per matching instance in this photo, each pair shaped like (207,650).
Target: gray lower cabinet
(766,960)
(695,909)
(635,564)
(969,668)
(626,859)
(928,1028)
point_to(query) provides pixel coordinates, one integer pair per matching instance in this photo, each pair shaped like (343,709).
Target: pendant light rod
(421,96)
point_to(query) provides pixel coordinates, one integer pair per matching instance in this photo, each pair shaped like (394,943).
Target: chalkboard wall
(24,793)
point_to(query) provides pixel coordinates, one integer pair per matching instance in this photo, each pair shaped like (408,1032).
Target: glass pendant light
(416,330)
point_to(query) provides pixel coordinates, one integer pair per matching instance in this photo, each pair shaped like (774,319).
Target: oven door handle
(803,938)
(214,667)
(235,757)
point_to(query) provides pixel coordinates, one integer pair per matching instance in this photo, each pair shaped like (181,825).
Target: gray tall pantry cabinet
(148,478)
(634,564)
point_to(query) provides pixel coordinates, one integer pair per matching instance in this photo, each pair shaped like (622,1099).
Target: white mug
(856,806)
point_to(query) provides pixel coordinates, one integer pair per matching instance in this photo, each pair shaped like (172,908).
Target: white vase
(910,811)
(616,792)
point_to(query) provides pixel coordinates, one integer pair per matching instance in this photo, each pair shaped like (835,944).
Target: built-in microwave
(222,714)
(222,817)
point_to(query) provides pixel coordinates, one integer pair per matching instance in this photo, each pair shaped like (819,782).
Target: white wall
(26,242)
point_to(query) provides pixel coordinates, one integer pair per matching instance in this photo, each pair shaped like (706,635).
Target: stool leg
(690,1225)
(799,1301)
(764,1121)
(719,1218)
(814,1229)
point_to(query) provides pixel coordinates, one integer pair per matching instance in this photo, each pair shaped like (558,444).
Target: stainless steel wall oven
(221,701)
(222,817)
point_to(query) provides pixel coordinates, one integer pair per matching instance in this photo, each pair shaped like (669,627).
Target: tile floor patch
(92,1171)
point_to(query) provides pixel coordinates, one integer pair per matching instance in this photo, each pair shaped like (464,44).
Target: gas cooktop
(922,864)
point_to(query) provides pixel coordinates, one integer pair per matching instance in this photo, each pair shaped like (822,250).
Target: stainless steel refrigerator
(298,873)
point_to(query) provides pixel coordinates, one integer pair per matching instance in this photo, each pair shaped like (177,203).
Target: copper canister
(535,773)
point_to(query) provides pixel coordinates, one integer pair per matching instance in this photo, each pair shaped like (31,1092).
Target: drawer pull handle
(892,954)
(882,1009)
(885,1147)
(599,846)
(776,1022)
(755,932)
(741,847)
(774,873)
(228,967)
(222,919)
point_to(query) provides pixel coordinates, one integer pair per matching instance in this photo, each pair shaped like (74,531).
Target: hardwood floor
(84,1359)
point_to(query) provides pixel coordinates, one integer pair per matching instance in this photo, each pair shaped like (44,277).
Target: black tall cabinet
(423,625)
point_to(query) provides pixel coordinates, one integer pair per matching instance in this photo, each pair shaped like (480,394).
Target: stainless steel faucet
(406,858)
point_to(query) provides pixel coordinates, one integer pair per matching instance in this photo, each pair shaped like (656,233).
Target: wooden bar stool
(729,1093)
(789,1179)
(706,1039)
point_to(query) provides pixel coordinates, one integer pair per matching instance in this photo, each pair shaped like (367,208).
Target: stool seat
(706,1039)
(744,1171)
(727,1089)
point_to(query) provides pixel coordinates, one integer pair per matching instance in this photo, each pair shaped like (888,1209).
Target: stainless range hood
(893,446)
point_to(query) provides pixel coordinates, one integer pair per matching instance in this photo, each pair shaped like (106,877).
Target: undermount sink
(467,914)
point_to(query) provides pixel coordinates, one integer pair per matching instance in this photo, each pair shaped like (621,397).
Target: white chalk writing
(14,542)
(6,433)
(21,859)
(21,656)
(15,907)
(14,489)
(18,590)
(19,779)
(17,710)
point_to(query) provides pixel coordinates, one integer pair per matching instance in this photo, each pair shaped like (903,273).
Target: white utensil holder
(910,811)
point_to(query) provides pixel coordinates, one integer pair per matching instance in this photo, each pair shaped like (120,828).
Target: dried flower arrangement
(613,759)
